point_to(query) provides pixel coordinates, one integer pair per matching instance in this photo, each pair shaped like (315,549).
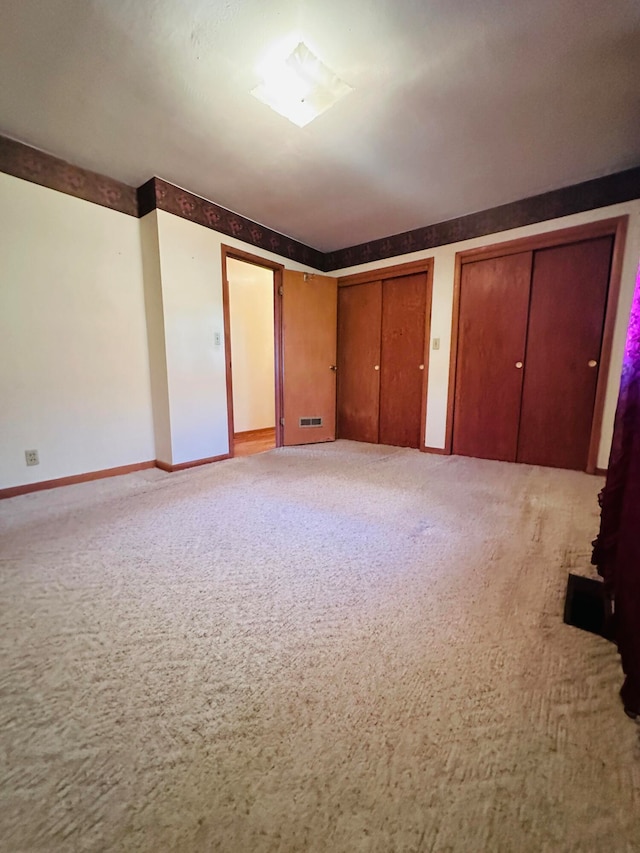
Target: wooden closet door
(359,319)
(404,307)
(566,320)
(492,329)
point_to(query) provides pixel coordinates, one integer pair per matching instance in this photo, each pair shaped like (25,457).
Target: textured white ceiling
(459,105)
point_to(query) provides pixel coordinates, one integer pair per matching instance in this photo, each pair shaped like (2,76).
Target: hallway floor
(255,441)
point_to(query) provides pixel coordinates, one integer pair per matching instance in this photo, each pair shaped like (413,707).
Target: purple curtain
(617,549)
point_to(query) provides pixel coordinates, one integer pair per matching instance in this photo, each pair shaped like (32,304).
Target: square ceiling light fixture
(299,87)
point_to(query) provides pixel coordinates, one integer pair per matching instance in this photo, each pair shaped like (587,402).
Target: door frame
(616,228)
(424,265)
(277,269)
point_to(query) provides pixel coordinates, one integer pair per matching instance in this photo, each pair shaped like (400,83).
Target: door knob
(376,367)
(519,365)
(592,363)
(422,367)
(333,367)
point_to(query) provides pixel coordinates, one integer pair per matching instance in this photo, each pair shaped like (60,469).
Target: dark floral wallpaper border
(612,189)
(189,206)
(30,164)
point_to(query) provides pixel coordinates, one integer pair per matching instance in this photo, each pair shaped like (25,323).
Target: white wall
(444,263)
(74,355)
(196,372)
(191,284)
(74,374)
(156,336)
(252,345)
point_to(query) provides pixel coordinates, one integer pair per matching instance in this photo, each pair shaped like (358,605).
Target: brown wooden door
(359,319)
(566,319)
(402,359)
(492,329)
(309,327)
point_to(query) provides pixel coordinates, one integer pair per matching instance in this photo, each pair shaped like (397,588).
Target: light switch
(436,343)
(217,339)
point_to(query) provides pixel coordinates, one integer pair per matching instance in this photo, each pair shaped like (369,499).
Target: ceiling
(457,106)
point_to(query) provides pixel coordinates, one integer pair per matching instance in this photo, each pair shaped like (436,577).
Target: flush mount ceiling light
(299,87)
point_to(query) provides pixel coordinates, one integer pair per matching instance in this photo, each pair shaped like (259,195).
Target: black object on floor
(586,606)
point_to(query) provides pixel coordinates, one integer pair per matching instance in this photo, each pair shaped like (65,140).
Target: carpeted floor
(339,648)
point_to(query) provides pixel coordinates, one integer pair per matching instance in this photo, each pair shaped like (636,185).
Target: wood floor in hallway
(254,441)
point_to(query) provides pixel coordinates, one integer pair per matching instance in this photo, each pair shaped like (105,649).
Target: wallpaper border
(31,164)
(600,192)
(165,196)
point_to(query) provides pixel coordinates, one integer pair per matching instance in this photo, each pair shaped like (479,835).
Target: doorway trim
(424,265)
(616,228)
(277,269)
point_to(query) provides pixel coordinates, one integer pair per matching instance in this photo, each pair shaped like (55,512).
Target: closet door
(566,320)
(359,318)
(492,330)
(404,307)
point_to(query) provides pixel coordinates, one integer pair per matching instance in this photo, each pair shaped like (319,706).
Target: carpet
(342,647)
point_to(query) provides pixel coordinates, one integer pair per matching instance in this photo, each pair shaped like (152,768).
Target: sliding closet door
(492,330)
(404,308)
(568,300)
(359,318)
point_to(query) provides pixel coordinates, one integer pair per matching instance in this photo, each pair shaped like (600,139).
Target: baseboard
(165,466)
(601,472)
(14,491)
(255,434)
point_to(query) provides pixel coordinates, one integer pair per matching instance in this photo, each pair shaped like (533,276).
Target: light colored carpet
(336,648)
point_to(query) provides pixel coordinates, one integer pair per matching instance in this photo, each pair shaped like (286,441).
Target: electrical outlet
(436,343)
(32,457)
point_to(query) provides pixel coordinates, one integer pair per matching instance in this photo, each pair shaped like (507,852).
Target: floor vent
(310,422)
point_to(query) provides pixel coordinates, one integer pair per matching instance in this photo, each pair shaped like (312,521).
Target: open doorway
(252,330)
(252,357)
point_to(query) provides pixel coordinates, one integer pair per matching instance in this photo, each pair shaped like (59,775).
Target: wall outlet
(32,457)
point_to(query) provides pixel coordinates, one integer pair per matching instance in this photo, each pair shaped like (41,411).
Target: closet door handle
(421,367)
(592,363)
(376,367)
(519,365)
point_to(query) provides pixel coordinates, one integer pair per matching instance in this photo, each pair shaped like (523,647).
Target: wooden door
(566,320)
(492,329)
(309,327)
(359,318)
(402,359)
